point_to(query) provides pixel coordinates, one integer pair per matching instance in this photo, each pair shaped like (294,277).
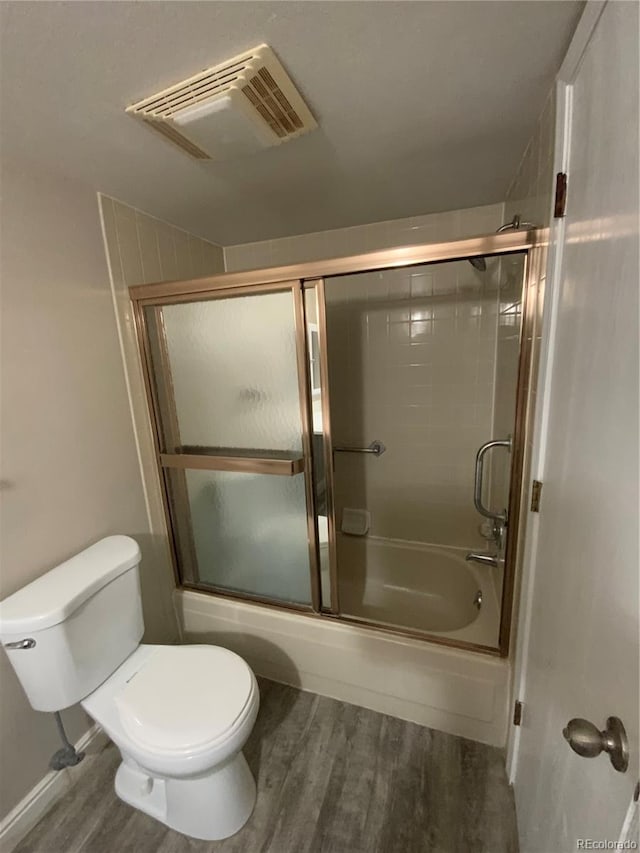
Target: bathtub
(454,690)
(417,586)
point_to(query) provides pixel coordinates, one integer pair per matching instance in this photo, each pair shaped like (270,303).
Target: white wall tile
(127,233)
(409,366)
(148,243)
(183,254)
(450,225)
(113,250)
(195,252)
(166,252)
(212,259)
(143,249)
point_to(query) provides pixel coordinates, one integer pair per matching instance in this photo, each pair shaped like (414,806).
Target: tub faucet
(483,559)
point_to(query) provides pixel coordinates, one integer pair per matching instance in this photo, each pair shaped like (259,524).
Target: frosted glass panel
(248,532)
(234,372)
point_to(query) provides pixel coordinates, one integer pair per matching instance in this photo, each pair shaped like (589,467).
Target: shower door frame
(298,278)
(239,463)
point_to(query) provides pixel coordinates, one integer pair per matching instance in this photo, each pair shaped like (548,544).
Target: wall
(432,227)
(140,250)
(70,473)
(411,362)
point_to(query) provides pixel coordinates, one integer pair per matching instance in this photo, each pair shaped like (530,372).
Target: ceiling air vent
(234,108)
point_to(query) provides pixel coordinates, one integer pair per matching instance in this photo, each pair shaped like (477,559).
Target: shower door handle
(501,517)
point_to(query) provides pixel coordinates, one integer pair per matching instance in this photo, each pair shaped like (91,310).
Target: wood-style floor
(332,778)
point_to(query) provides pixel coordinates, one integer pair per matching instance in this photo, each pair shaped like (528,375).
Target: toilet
(180,715)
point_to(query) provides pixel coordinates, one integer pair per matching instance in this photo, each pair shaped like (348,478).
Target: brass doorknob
(588,741)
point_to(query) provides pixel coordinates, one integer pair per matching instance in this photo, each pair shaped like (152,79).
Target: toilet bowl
(180,715)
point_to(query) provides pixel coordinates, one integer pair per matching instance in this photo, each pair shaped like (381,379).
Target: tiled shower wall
(433,227)
(411,355)
(141,249)
(530,197)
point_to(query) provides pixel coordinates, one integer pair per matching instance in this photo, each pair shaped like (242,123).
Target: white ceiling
(422,106)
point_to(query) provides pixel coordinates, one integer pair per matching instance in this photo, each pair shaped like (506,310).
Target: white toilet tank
(75,625)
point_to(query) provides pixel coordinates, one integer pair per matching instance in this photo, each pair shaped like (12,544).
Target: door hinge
(517,713)
(536,491)
(560,204)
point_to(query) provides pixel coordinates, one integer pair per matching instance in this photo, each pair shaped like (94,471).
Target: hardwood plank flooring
(332,778)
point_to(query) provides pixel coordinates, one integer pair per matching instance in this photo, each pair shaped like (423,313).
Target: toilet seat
(185,699)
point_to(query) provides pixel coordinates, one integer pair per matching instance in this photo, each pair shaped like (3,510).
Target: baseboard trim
(21,820)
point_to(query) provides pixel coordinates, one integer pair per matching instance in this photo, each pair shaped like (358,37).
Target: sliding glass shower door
(348,437)
(226,376)
(422,371)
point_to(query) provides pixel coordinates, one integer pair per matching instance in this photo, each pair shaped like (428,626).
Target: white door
(582,658)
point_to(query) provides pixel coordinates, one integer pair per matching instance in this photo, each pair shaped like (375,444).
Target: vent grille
(172,134)
(272,100)
(200,88)
(272,104)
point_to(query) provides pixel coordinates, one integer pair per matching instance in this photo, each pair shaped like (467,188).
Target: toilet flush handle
(28,643)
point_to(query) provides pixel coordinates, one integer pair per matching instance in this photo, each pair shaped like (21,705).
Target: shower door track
(298,277)
(506,243)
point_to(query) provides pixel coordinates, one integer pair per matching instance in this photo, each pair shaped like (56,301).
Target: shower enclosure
(346,438)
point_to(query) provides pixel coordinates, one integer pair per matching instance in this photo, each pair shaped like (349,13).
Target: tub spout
(483,559)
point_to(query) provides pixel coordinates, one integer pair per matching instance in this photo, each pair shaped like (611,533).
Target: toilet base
(209,807)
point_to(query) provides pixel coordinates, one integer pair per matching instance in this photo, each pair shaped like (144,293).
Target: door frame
(556,235)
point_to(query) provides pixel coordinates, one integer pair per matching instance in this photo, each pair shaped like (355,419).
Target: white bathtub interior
(420,587)
(416,586)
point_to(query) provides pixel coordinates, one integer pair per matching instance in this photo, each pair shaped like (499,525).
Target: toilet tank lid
(53,597)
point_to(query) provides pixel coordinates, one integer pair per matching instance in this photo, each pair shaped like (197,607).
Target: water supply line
(67,756)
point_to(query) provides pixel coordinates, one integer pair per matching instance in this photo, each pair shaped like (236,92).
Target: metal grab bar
(376,447)
(478,484)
